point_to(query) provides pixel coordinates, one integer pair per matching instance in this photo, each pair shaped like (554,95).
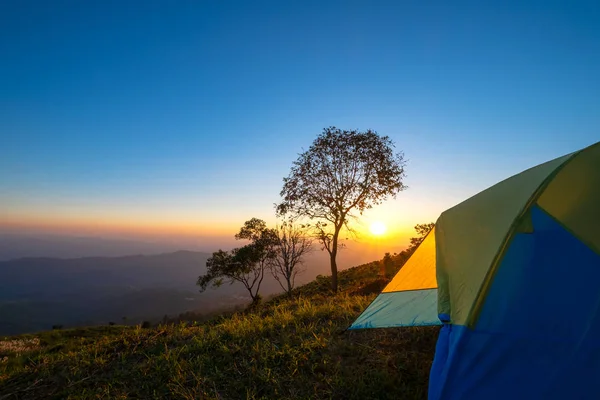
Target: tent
(512,275)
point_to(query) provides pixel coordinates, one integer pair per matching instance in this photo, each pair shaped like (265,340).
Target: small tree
(342,172)
(292,244)
(245,264)
(387,265)
(422,231)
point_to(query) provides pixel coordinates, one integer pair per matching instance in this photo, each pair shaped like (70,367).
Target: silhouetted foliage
(392,263)
(422,231)
(387,265)
(146,324)
(57,327)
(245,264)
(342,172)
(111,323)
(292,244)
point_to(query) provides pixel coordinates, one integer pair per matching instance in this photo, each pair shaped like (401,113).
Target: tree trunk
(251,294)
(289,287)
(332,259)
(382,269)
(262,276)
(334,278)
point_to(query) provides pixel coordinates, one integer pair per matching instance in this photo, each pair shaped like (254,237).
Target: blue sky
(183,117)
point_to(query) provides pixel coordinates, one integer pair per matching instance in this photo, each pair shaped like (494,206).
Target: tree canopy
(245,264)
(292,244)
(344,172)
(422,231)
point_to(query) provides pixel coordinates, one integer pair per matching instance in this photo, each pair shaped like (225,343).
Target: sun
(377,228)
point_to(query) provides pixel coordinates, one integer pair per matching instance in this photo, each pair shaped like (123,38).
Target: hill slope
(287,348)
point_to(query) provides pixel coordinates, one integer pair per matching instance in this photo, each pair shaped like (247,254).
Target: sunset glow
(161,143)
(377,228)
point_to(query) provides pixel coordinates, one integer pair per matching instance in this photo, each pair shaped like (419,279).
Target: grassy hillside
(286,348)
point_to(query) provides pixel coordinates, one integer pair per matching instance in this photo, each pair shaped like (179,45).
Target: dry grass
(18,346)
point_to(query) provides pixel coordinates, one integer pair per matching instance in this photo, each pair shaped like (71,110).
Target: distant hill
(49,277)
(20,245)
(37,293)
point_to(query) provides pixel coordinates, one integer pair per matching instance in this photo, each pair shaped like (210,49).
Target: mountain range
(19,245)
(38,293)
(49,280)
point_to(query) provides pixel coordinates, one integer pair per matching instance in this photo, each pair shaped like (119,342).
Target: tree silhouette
(292,244)
(343,172)
(422,231)
(245,264)
(386,265)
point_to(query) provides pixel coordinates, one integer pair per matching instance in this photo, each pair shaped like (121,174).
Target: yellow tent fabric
(419,270)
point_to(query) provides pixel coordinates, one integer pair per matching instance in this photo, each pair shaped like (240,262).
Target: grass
(285,349)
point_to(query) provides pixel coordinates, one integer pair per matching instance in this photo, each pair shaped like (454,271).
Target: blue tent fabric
(438,371)
(398,309)
(533,336)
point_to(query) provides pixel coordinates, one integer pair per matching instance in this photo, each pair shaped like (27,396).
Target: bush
(146,324)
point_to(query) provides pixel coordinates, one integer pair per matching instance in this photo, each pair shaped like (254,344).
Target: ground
(284,349)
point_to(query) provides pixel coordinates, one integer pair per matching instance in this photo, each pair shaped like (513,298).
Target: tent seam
(569,230)
(409,290)
(475,310)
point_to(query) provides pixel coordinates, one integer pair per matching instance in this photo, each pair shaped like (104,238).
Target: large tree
(341,174)
(293,243)
(245,264)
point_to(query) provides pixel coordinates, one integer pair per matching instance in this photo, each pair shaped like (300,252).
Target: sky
(181,118)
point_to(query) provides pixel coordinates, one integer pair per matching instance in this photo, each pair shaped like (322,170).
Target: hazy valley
(55,288)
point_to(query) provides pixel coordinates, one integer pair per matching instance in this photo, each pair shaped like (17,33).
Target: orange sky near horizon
(165,135)
(210,219)
(218,225)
